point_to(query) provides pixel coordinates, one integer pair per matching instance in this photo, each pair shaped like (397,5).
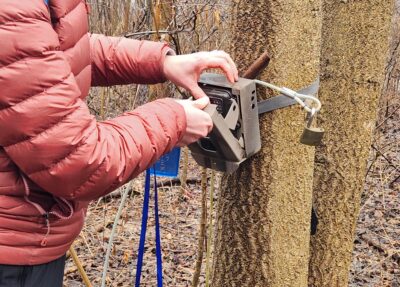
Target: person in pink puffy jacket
(54,156)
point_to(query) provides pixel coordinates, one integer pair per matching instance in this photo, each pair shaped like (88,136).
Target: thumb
(201,103)
(197,92)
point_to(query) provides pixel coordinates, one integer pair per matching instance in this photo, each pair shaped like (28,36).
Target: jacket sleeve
(125,61)
(46,128)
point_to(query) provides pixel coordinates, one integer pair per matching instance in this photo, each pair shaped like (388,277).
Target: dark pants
(44,275)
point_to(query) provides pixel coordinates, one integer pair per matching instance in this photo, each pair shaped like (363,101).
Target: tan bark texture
(161,14)
(263,217)
(389,102)
(353,54)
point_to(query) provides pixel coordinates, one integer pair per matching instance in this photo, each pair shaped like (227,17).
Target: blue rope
(158,236)
(145,213)
(144,228)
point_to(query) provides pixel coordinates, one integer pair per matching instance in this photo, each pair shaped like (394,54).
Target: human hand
(185,70)
(198,122)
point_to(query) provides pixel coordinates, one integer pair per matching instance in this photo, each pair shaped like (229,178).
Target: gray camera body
(236,132)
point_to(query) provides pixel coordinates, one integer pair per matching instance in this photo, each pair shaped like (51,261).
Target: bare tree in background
(390,102)
(355,38)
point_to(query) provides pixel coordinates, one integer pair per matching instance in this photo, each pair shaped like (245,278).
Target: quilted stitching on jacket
(50,140)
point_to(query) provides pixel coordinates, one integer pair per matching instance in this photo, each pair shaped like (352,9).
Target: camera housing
(236,132)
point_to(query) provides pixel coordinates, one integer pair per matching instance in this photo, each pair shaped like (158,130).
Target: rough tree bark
(160,15)
(353,53)
(263,217)
(389,102)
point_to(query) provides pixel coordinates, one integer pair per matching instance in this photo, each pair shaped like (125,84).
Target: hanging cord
(299,98)
(45,213)
(142,240)
(158,235)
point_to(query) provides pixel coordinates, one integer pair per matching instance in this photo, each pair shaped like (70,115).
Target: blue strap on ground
(142,241)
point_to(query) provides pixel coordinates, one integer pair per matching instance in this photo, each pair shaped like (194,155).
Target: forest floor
(376,257)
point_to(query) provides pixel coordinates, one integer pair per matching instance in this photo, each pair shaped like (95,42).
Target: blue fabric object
(168,164)
(144,229)
(46,2)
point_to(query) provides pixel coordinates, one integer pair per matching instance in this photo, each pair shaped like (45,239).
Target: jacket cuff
(165,52)
(180,117)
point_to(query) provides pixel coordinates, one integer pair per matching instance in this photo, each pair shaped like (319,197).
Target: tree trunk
(391,88)
(353,53)
(263,217)
(161,14)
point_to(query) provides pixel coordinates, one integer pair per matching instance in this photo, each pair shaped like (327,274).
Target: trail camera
(236,133)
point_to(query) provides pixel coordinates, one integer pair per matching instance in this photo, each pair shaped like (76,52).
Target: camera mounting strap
(311,136)
(282,100)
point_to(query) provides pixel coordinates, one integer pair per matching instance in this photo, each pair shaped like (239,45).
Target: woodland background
(191,26)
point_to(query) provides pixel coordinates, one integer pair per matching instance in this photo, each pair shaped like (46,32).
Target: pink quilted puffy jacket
(54,156)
